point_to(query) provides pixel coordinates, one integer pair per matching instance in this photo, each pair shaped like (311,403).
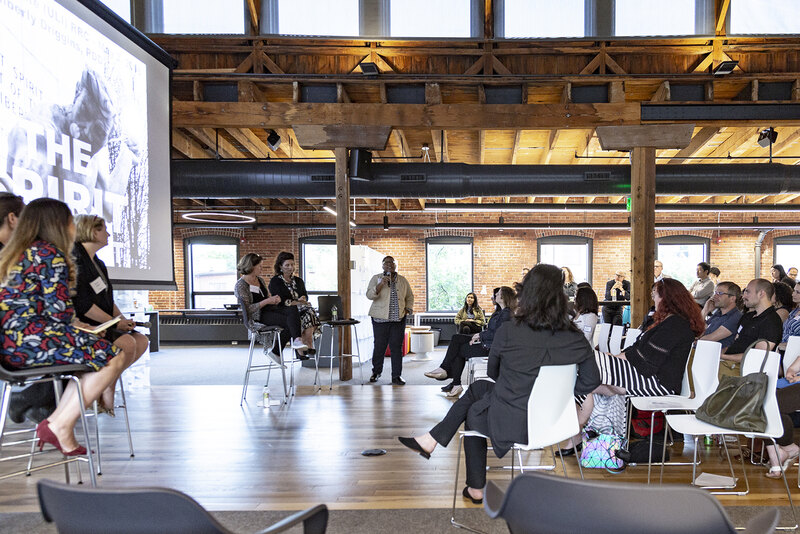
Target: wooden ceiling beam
(251,142)
(443,116)
(188,146)
(698,141)
(217,143)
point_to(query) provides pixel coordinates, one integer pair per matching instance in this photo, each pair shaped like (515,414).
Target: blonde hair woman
(38,274)
(570,287)
(94,295)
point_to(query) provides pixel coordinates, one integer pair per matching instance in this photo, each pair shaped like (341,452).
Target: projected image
(73,122)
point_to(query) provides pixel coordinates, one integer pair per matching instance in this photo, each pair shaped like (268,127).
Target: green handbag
(738,402)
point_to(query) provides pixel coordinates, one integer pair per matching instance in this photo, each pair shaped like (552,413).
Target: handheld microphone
(144,324)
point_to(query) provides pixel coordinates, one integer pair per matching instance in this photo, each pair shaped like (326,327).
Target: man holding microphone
(392,300)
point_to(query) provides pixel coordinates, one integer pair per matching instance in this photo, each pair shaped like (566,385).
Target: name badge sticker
(98,284)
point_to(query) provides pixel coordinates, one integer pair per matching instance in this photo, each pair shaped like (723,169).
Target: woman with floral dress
(37,318)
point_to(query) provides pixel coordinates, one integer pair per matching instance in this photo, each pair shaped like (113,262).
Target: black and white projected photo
(74,125)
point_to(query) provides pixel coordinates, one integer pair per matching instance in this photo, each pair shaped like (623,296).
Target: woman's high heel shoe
(46,435)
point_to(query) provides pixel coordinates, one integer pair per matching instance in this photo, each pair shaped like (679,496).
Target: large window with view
(317,17)
(543,18)
(574,252)
(199,16)
(449,272)
(210,271)
(775,17)
(423,18)
(787,252)
(318,258)
(680,256)
(654,17)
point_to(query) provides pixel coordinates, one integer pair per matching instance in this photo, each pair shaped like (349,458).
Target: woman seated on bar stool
(39,326)
(263,308)
(655,363)
(541,333)
(463,347)
(94,295)
(293,294)
(470,319)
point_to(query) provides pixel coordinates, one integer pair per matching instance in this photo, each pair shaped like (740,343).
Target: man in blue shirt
(722,314)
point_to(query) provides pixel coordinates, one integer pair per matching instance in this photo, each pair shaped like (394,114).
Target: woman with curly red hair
(655,363)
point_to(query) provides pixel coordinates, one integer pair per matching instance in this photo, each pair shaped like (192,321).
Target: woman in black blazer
(541,333)
(292,292)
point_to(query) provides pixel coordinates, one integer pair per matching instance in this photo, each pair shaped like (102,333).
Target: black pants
(458,352)
(612,314)
(468,327)
(391,335)
(287,317)
(473,419)
(788,403)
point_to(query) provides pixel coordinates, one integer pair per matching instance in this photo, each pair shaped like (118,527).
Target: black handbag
(738,402)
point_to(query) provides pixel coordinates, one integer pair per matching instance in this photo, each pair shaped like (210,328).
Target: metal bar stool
(49,373)
(338,327)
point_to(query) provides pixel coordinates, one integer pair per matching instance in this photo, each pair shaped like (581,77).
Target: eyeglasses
(723,293)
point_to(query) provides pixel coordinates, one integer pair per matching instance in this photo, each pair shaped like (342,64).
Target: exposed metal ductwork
(201,178)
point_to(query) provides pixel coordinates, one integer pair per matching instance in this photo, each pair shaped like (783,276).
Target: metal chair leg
(97,438)
(85,426)
(455,491)
(247,370)
(124,407)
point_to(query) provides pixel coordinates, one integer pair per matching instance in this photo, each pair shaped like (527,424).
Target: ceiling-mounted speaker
(360,164)
(273,140)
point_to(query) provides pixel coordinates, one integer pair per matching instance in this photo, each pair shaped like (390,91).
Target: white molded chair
(615,342)
(689,424)
(706,379)
(631,335)
(791,353)
(604,331)
(478,369)
(552,418)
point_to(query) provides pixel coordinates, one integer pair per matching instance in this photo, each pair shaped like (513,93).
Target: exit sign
(628,204)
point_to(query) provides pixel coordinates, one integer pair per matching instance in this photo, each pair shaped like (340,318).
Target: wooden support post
(643,222)
(643,141)
(343,254)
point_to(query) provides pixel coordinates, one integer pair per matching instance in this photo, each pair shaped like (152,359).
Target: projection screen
(85,118)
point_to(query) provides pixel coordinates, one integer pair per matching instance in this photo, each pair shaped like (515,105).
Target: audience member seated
(777,272)
(791,326)
(586,308)
(792,273)
(788,403)
(463,347)
(616,289)
(658,271)
(541,333)
(713,274)
(763,322)
(703,287)
(470,319)
(782,300)
(723,311)
(94,294)
(655,363)
(570,287)
(262,307)
(293,294)
(38,274)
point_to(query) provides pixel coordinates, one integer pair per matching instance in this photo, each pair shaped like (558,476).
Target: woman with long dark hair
(292,291)
(463,347)
(655,363)
(778,272)
(541,333)
(782,300)
(470,319)
(38,274)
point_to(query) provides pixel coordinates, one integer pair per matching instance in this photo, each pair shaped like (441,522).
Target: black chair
(535,503)
(77,510)
(49,373)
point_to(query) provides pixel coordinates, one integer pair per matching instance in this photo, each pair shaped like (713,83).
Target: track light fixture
(273,139)
(725,67)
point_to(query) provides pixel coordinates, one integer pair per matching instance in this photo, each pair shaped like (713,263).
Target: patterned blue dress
(36,313)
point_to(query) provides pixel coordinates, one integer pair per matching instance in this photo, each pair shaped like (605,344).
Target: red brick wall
(499,257)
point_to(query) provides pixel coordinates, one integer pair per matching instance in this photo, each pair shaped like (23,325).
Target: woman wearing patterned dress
(293,292)
(38,326)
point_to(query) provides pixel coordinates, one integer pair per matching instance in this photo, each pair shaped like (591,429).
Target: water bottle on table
(334,313)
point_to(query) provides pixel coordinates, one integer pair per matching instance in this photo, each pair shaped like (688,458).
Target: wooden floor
(198,440)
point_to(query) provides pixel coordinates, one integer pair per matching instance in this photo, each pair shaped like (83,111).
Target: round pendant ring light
(229,217)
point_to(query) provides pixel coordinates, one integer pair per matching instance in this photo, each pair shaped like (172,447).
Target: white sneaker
(455,392)
(298,345)
(438,374)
